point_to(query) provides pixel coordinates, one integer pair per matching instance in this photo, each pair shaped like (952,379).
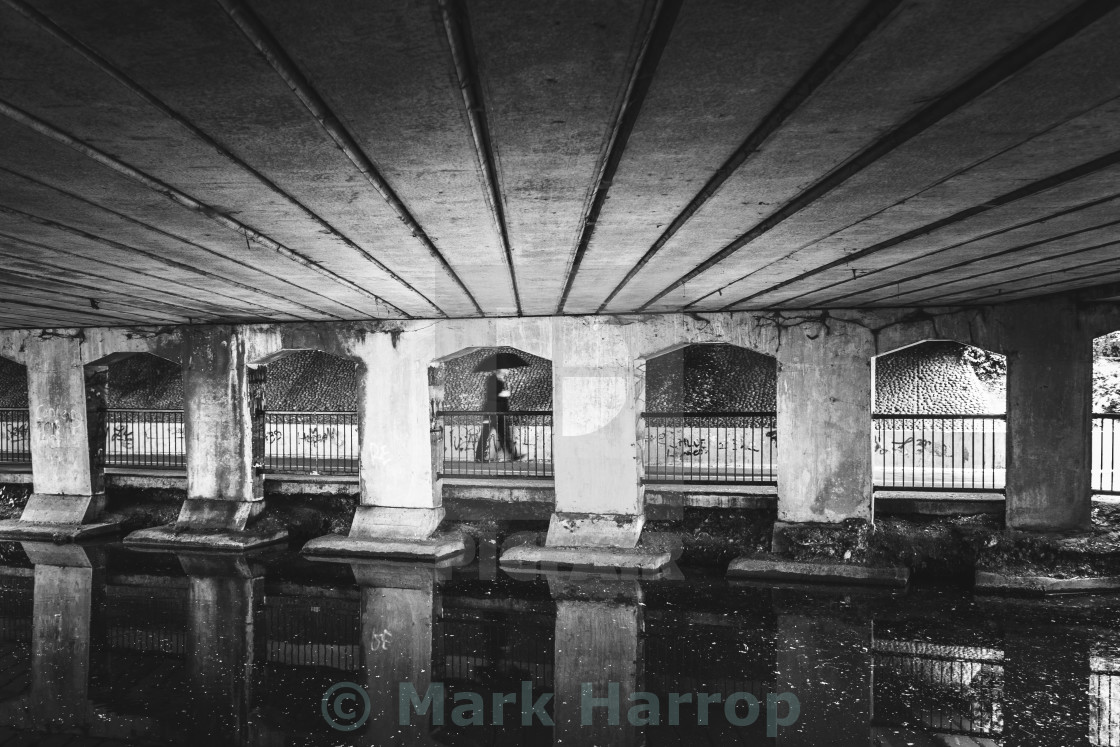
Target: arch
(15,422)
(502,433)
(707,414)
(139,401)
(1106,414)
(939,418)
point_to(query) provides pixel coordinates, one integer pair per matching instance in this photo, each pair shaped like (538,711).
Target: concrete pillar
(597,394)
(225,490)
(220,645)
(824,422)
(58,699)
(67,444)
(599,629)
(401,504)
(1049,418)
(400,610)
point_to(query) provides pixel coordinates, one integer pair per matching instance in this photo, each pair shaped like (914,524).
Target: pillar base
(435,547)
(822,573)
(172,537)
(587,531)
(638,558)
(18,529)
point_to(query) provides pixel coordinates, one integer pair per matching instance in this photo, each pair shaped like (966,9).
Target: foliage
(1107,346)
(989,367)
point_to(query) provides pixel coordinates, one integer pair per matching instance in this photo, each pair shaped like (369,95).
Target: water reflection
(104,645)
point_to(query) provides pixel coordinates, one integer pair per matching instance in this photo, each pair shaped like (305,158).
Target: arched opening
(710,416)
(309,401)
(143,412)
(1106,414)
(15,420)
(940,418)
(494,411)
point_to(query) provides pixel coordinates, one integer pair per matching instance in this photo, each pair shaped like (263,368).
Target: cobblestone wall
(927,378)
(936,378)
(13,384)
(530,387)
(711,378)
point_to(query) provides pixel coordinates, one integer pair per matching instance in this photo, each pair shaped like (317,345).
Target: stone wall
(530,387)
(711,378)
(13,384)
(939,378)
(932,377)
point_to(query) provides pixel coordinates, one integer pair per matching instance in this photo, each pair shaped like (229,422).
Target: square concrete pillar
(597,390)
(66,400)
(225,490)
(824,422)
(401,504)
(1049,418)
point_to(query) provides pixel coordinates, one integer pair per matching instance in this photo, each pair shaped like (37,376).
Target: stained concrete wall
(60,448)
(217,420)
(1049,419)
(824,422)
(599,364)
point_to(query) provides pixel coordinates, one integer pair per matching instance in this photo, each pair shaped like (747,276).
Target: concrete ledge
(708,499)
(938,503)
(168,537)
(436,547)
(745,488)
(826,573)
(593,557)
(53,532)
(1005,583)
(15,478)
(504,491)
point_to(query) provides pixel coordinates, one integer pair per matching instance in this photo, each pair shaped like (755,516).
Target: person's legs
(481,449)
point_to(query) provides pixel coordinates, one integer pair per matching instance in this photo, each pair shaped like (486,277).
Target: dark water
(99,645)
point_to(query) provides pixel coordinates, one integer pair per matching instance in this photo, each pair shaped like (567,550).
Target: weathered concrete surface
(991,582)
(54,531)
(637,558)
(1049,418)
(824,421)
(829,573)
(217,417)
(61,426)
(1043,665)
(434,547)
(599,627)
(211,539)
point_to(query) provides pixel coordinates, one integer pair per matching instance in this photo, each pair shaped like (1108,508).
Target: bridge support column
(66,399)
(600,501)
(225,490)
(401,496)
(824,422)
(1049,418)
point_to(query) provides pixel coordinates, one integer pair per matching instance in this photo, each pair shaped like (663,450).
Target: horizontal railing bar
(919,416)
(468,413)
(722,414)
(310,412)
(131,410)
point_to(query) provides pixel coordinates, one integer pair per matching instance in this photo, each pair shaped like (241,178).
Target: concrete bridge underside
(248,161)
(220,182)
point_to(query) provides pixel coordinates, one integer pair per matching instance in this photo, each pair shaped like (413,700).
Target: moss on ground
(13,497)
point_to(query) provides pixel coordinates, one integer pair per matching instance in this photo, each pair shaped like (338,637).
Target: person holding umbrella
(496,442)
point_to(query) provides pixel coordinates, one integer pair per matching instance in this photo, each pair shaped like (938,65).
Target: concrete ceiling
(256,160)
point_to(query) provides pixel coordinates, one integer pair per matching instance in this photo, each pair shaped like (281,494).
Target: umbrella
(494,361)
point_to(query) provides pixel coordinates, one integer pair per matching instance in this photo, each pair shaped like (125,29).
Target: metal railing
(939,452)
(317,443)
(711,447)
(145,438)
(1106,459)
(15,435)
(497,444)
(948,689)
